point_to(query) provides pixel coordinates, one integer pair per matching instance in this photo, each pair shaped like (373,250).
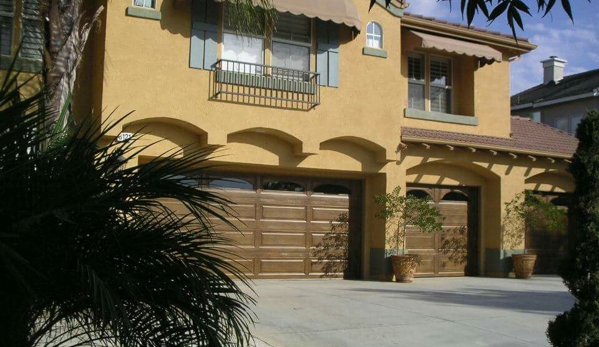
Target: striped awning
(450,45)
(338,11)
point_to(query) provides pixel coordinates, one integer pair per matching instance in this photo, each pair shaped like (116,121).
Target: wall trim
(440,117)
(22,64)
(139,12)
(375,52)
(556,101)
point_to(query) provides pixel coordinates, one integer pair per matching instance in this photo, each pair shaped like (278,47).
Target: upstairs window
(291,44)
(374,35)
(32,31)
(416,81)
(145,3)
(241,48)
(440,84)
(429,89)
(7,14)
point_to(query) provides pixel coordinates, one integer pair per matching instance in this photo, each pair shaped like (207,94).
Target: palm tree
(89,251)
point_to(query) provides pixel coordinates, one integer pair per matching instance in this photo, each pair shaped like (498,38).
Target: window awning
(338,11)
(457,46)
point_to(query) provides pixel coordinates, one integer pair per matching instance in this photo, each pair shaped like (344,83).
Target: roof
(460,25)
(572,85)
(527,137)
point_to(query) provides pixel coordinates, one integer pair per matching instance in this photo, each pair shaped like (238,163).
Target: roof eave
(416,139)
(518,47)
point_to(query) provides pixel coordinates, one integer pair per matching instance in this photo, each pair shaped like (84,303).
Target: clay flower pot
(524,264)
(404,267)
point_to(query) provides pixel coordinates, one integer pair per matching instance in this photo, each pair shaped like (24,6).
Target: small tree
(399,211)
(579,327)
(527,212)
(333,251)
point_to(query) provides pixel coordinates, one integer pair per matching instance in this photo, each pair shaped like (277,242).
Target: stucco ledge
(134,11)
(440,117)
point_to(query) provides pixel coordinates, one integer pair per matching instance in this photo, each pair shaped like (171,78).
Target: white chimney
(553,69)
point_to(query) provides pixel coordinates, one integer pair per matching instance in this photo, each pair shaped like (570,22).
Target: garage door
(550,246)
(283,219)
(452,252)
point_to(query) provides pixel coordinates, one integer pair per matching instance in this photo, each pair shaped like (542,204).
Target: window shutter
(32,41)
(204,31)
(327,59)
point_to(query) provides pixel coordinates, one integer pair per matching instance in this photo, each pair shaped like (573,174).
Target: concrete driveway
(466,311)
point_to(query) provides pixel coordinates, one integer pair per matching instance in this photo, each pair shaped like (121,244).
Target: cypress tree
(579,327)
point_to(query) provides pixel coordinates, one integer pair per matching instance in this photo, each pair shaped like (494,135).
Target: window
(374,35)
(416,81)
(144,3)
(32,31)
(231,183)
(291,43)
(439,83)
(562,124)
(331,189)
(6,20)
(286,186)
(574,121)
(241,48)
(536,116)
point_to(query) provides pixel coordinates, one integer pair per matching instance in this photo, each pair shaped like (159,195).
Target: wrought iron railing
(264,85)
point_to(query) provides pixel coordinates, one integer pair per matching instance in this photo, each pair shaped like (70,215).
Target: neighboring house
(560,101)
(337,105)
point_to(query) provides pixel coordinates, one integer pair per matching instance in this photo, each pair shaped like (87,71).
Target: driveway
(467,311)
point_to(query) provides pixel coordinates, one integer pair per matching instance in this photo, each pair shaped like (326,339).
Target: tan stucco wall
(143,65)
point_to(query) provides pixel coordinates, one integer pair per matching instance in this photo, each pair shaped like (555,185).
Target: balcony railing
(264,85)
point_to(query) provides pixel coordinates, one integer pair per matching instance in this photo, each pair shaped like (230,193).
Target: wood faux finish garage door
(283,219)
(550,246)
(452,252)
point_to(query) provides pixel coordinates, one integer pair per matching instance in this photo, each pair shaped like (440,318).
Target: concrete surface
(466,311)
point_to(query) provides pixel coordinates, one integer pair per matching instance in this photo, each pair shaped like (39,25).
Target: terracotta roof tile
(527,136)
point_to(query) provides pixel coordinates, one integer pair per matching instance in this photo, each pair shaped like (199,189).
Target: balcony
(264,85)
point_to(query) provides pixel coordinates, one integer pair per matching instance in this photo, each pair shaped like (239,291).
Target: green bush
(579,327)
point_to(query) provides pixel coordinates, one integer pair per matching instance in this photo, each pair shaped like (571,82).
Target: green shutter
(204,31)
(327,55)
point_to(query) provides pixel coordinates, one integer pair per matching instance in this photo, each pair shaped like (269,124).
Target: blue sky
(577,42)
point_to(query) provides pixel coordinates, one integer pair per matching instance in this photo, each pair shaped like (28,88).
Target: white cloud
(435,8)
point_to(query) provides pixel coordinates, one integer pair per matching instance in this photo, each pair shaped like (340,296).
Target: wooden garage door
(550,246)
(283,219)
(451,252)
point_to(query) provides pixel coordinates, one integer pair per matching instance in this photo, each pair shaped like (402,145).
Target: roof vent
(553,69)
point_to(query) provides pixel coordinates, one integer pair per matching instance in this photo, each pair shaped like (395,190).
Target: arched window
(374,35)
(455,196)
(332,189)
(419,193)
(286,186)
(231,183)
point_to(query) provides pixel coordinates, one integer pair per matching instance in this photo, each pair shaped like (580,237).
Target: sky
(577,42)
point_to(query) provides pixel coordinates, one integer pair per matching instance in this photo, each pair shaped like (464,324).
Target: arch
(551,181)
(450,173)
(297,144)
(140,124)
(380,153)
(374,35)
(331,189)
(419,193)
(455,196)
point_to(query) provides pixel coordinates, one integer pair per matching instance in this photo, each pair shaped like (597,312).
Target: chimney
(553,69)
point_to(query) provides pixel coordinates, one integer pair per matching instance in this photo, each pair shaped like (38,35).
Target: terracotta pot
(524,264)
(404,267)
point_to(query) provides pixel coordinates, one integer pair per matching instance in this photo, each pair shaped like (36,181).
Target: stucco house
(560,101)
(336,105)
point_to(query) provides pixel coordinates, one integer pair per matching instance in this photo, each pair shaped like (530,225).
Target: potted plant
(523,214)
(400,211)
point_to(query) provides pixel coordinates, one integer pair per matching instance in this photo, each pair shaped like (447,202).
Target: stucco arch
(444,172)
(166,135)
(551,181)
(381,155)
(299,147)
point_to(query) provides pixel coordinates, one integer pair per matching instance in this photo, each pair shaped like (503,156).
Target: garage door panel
(420,241)
(274,225)
(329,201)
(245,266)
(331,268)
(235,225)
(327,214)
(243,211)
(240,239)
(455,262)
(427,263)
(282,266)
(280,212)
(283,239)
(286,199)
